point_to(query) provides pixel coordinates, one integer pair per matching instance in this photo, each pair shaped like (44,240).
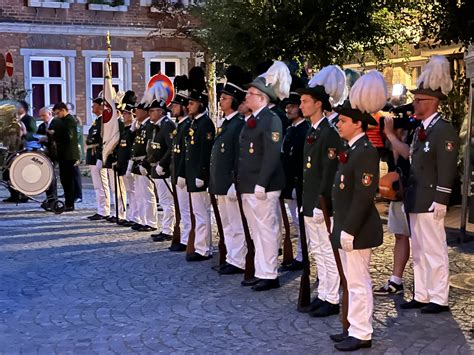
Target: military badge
(449,146)
(222,148)
(219,130)
(367,179)
(191,132)
(275,136)
(427,147)
(308,164)
(341,185)
(251,150)
(209,136)
(174,133)
(332,153)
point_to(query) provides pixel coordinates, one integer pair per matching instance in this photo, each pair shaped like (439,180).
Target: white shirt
(355,139)
(315,125)
(332,116)
(231,115)
(258,111)
(298,123)
(426,122)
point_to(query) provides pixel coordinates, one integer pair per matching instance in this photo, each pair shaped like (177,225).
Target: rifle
(249,258)
(192,233)
(287,246)
(177,229)
(345,291)
(304,297)
(220,229)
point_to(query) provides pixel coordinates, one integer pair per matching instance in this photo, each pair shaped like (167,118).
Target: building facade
(59,47)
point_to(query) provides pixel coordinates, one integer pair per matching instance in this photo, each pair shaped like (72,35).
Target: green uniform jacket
(320,163)
(65,135)
(259,156)
(30,125)
(224,155)
(142,135)
(353,197)
(112,158)
(94,142)
(292,157)
(124,150)
(199,142)
(159,148)
(179,149)
(433,166)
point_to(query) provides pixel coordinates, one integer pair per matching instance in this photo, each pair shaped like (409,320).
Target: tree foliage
(320,31)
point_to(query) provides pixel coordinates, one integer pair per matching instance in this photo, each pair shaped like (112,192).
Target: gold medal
(341,186)
(192,142)
(222,150)
(251,150)
(191,132)
(308,165)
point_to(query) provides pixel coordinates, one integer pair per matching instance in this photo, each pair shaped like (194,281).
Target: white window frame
(125,74)
(68,57)
(180,58)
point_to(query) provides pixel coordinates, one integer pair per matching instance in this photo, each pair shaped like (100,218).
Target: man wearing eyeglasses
(433,156)
(260,180)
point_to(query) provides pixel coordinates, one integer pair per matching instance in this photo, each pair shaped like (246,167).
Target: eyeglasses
(253,93)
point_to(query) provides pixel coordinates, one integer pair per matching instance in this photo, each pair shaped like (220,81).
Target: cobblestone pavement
(68,285)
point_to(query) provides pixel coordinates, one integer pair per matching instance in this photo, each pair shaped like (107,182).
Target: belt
(139,158)
(92,145)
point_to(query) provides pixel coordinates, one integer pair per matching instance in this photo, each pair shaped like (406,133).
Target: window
(97,75)
(168,63)
(47,82)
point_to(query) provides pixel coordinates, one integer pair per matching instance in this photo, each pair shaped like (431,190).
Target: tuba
(10,127)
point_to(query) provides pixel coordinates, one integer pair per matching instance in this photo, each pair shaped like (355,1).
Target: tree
(319,31)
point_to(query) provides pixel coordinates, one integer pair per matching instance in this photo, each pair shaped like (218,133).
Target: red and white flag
(110,123)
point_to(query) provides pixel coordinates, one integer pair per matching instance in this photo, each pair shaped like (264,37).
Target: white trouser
(234,236)
(361,301)
(264,228)
(166,202)
(319,246)
(101,189)
(183,201)
(132,213)
(430,258)
(293,207)
(202,213)
(146,200)
(121,196)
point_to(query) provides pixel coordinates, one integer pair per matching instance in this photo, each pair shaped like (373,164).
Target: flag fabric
(110,123)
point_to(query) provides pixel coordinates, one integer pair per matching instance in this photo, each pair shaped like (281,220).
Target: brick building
(59,46)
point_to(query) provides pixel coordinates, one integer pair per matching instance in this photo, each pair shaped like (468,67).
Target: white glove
(318,216)
(199,183)
(129,168)
(99,164)
(260,192)
(135,125)
(293,194)
(439,210)
(347,241)
(231,193)
(181,182)
(159,170)
(142,170)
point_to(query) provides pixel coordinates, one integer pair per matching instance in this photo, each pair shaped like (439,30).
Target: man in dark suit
(224,157)
(65,136)
(196,166)
(433,152)
(260,179)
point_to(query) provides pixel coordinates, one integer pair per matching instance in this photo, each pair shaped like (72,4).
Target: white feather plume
(436,75)
(279,78)
(334,81)
(155,92)
(119,97)
(369,92)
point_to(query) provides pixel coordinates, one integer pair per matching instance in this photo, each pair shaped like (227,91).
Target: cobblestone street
(68,285)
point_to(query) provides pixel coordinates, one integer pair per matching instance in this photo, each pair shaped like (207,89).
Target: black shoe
(121,222)
(111,219)
(266,284)
(162,237)
(78,200)
(137,226)
(23,200)
(47,206)
(197,257)
(433,308)
(295,265)
(10,199)
(390,288)
(413,304)
(229,269)
(353,344)
(250,282)
(314,305)
(337,338)
(146,229)
(68,209)
(96,217)
(177,247)
(325,310)
(128,223)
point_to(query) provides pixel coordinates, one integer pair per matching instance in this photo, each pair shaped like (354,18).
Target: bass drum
(31,173)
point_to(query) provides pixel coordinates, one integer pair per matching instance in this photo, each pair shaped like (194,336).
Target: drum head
(31,173)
